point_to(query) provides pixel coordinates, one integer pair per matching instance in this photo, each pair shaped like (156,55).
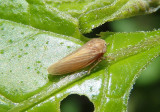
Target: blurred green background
(145,96)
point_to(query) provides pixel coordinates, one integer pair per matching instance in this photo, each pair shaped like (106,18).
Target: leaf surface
(26,85)
(36,33)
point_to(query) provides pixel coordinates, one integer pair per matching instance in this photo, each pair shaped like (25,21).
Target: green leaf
(114,10)
(24,59)
(93,13)
(39,15)
(36,33)
(68,17)
(27,52)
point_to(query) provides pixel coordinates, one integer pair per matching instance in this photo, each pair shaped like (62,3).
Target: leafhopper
(91,52)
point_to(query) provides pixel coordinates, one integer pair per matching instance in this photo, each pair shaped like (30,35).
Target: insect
(89,53)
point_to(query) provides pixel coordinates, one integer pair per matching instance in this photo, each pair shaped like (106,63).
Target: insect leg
(99,60)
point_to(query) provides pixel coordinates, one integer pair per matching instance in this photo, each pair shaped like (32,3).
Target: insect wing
(75,61)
